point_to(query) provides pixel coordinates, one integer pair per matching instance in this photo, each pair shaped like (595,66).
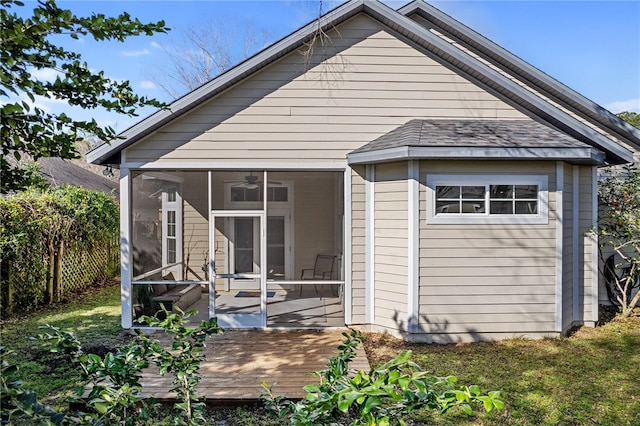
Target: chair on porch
(322,270)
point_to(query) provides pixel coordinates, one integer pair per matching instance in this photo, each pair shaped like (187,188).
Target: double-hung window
(453,199)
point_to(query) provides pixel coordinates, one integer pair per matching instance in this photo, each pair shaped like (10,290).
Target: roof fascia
(223,81)
(412,32)
(586,155)
(423,39)
(534,77)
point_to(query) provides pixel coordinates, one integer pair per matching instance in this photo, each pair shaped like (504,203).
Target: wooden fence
(68,271)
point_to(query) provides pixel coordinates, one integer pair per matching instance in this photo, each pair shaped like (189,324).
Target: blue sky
(591,46)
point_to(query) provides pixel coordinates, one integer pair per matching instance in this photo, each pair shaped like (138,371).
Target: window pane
(171,250)
(171,195)
(253,194)
(527,191)
(447,207)
(501,207)
(473,206)
(526,207)
(244,233)
(447,192)
(275,230)
(171,223)
(275,262)
(244,261)
(501,191)
(280,193)
(473,192)
(237,194)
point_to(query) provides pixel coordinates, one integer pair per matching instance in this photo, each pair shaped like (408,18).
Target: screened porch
(254,248)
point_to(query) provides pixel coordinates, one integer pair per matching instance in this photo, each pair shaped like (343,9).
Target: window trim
(433,180)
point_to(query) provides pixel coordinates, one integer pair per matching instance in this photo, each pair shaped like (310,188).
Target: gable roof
(475,139)
(537,79)
(415,35)
(58,171)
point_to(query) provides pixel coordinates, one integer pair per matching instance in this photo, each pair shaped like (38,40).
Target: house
(406,175)
(59,171)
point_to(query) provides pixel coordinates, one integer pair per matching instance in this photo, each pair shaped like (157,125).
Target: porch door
(243,243)
(244,306)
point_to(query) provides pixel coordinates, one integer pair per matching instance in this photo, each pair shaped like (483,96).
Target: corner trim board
(559,242)
(575,210)
(595,259)
(125,249)
(370,244)
(413,246)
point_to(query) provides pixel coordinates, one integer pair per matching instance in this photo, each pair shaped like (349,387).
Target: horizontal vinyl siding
(195,224)
(358,245)
(487,280)
(322,111)
(567,250)
(586,246)
(391,205)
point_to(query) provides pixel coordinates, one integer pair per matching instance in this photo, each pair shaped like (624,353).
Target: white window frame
(541,217)
(174,206)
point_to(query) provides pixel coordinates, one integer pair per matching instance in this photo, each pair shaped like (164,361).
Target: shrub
(381,396)
(619,236)
(36,227)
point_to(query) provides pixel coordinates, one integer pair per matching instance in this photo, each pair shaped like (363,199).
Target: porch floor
(284,309)
(238,361)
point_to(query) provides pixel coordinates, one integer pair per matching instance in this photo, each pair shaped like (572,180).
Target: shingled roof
(463,139)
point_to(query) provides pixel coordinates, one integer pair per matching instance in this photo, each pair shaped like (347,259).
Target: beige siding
(195,224)
(286,111)
(454,42)
(391,205)
(358,237)
(567,248)
(586,243)
(487,280)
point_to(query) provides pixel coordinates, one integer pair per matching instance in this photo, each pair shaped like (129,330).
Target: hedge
(41,230)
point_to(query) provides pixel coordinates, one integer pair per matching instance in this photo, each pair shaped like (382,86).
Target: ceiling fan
(250,182)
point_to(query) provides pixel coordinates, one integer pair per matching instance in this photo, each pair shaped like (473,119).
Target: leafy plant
(381,396)
(36,227)
(182,360)
(619,235)
(28,45)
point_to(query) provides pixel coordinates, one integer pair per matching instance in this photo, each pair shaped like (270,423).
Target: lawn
(94,317)
(592,377)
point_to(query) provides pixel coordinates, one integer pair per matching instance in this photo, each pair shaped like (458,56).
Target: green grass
(592,377)
(94,317)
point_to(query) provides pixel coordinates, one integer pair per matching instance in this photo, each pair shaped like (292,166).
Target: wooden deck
(237,362)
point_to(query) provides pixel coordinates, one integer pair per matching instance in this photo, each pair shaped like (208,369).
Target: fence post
(58,272)
(51,273)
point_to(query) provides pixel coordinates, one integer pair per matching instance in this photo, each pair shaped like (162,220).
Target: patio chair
(322,270)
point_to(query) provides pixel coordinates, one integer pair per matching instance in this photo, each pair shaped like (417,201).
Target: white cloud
(156,45)
(141,52)
(45,74)
(631,105)
(147,84)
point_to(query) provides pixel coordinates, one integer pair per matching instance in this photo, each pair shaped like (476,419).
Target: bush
(619,236)
(36,227)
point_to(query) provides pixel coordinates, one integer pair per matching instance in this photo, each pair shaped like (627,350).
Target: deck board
(238,361)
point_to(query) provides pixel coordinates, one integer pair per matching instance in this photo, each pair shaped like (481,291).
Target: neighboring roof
(411,32)
(63,172)
(469,139)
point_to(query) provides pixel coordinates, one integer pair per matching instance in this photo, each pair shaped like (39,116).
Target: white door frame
(241,320)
